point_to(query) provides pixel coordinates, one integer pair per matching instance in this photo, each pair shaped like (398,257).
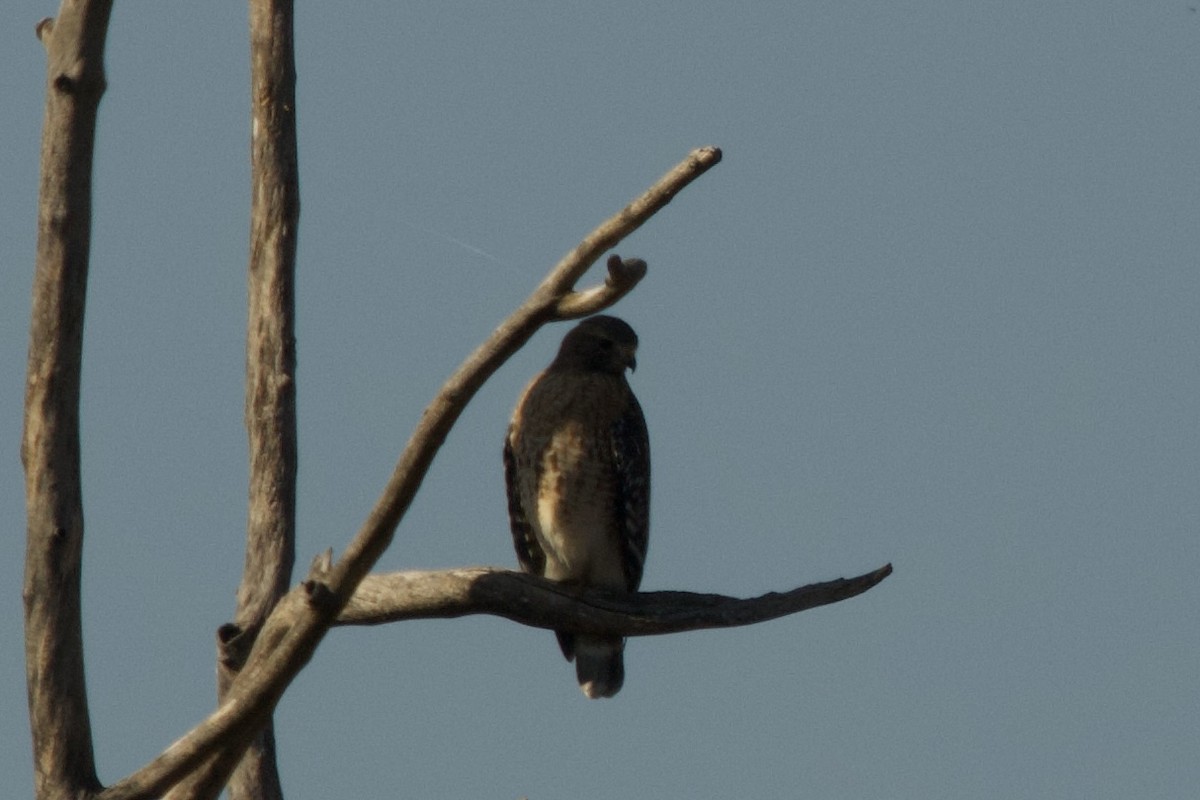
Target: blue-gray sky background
(939,306)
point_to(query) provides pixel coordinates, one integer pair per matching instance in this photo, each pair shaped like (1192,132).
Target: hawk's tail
(599,662)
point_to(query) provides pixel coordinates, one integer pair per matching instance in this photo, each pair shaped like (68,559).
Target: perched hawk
(577,464)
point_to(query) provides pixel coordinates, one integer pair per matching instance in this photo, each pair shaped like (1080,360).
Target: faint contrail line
(452,240)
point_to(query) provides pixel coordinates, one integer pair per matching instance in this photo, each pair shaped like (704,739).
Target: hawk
(577,466)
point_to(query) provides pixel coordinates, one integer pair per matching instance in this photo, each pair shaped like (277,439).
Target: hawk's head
(599,344)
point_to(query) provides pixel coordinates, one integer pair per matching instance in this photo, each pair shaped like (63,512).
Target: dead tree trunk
(275,631)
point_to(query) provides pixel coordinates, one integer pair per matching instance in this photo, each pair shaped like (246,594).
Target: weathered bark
(440,594)
(270,372)
(64,765)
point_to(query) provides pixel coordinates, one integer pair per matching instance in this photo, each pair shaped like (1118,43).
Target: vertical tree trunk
(270,364)
(64,765)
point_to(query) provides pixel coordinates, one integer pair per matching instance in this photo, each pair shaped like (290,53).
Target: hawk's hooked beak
(631,360)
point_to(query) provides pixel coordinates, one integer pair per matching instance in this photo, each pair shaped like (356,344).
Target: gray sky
(937,306)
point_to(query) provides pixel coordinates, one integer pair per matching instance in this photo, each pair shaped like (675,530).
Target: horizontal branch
(540,603)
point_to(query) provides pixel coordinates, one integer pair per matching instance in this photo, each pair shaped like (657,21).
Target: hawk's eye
(606,344)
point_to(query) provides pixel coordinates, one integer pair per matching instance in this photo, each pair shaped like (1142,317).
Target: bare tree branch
(623,275)
(554,293)
(225,733)
(560,283)
(275,634)
(303,616)
(541,603)
(270,381)
(64,765)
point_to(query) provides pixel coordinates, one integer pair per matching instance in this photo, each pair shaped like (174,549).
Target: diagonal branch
(554,293)
(303,616)
(541,603)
